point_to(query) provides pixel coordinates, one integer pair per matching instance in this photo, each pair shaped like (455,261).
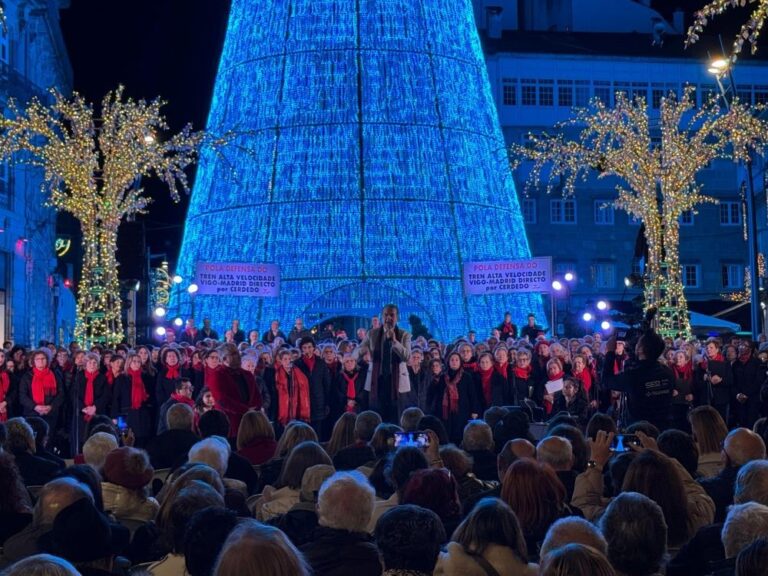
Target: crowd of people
(385,454)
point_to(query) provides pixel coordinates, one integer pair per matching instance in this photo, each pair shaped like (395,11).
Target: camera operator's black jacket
(648,387)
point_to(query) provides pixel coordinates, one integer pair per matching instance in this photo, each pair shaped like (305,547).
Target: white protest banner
(507,276)
(238,279)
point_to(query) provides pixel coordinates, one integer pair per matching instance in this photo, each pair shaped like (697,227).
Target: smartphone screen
(624,442)
(418,439)
(122,425)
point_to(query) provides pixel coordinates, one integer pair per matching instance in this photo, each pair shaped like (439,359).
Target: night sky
(170,48)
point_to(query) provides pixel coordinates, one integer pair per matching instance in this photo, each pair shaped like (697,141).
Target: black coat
(419,384)
(697,556)
(469,404)
(499,389)
(334,552)
(139,420)
(169,449)
(28,404)
(578,408)
(35,471)
(319,387)
(164,387)
(338,398)
(715,394)
(748,378)
(720,489)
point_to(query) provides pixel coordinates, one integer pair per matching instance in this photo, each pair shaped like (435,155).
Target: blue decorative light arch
(371,154)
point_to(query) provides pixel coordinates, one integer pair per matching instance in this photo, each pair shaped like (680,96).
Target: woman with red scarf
(292,390)
(682,395)
(504,396)
(348,387)
(553,384)
(133,400)
(713,379)
(6,393)
(488,382)
(91,396)
(524,383)
(453,398)
(168,375)
(41,393)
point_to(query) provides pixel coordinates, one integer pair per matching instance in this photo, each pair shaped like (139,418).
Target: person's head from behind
(430,422)
(345,502)
(180,417)
(42,565)
(744,524)
(405,462)
(189,500)
(512,451)
(88,476)
(708,429)
(409,420)
(535,493)
(578,444)
(253,549)
(213,451)
(20,436)
(55,496)
(753,559)
(494,414)
(555,451)
(435,489)
(294,434)
(478,436)
(491,522)
(40,429)
(653,475)
(409,538)
(343,433)
(680,446)
(97,447)
(253,426)
(573,530)
(752,483)
(365,425)
(634,527)
(600,421)
(576,560)
(383,439)
(301,457)
(213,423)
(742,446)
(204,538)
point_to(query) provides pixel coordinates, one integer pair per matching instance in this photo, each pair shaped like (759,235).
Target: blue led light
(371,167)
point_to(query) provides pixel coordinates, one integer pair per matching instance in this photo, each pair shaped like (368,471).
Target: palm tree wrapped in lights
(657,178)
(93,165)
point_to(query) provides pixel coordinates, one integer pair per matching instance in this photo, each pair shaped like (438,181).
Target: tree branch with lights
(750,30)
(657,179)
(93,165)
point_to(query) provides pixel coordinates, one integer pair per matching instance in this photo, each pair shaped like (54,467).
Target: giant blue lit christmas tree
(370,164)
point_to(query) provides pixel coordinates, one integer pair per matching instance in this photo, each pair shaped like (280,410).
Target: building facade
(544,62)
(33,59)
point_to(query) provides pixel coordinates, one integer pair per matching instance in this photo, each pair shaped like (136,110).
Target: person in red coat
(235,389)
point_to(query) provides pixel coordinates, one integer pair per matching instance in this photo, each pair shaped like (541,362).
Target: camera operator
(647,385)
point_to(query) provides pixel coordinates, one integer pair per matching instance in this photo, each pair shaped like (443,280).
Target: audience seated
(435,489)
(753,559)
(360,452)
(42,565)
(216,423)
(127,478)
(576,560)
(557,452)
(15,503)
(340,545)
(170,448)
(573,530)
(256,438)
(478,443)
(204,537)
(20,442)
(96,448)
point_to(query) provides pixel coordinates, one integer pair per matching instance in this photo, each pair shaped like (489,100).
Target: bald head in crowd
(742,446)
(557,452)
(180,417)
(513,450)
(57,495)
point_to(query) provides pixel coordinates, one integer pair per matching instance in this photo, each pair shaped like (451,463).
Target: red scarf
(5,384)
(471,366)
(705,361)
(88,395)
(744,358)
(685,372)
(138,391)
(586,379)
(172,372)
(485,381)
(110,377)
(351,388)
(43,384)
(522,373)
(182,399)
(292,401)
(451,394)
(310,362)
(503,369)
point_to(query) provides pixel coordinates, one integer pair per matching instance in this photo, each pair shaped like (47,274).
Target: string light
(749,32)
(657,182)
(378,167)
(92,166)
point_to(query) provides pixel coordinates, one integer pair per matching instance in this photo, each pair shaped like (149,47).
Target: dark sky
(170,48)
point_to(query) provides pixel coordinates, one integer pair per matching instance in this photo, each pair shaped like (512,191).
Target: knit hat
(81,533)
(313,478)
(128,467)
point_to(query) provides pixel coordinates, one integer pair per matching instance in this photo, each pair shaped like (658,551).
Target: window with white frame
(690,275)
(605,275)
(603,212)
(546,92)
(730,213)
(581,92)
(528,92)
(686,218)
(565,93)
(603,92)
(528,208)
(563,211)
(509,91)
(733,276)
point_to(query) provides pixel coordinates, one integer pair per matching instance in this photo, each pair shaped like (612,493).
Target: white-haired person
(97,447)
(214,452)
(341,545)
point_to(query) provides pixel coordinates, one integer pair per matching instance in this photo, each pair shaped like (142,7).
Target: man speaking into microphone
(387,378)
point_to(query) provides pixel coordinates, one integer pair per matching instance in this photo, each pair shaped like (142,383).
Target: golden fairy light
(93,165)
(749,32)
(657,178)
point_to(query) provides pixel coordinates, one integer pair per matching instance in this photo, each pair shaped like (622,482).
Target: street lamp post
(721,68)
